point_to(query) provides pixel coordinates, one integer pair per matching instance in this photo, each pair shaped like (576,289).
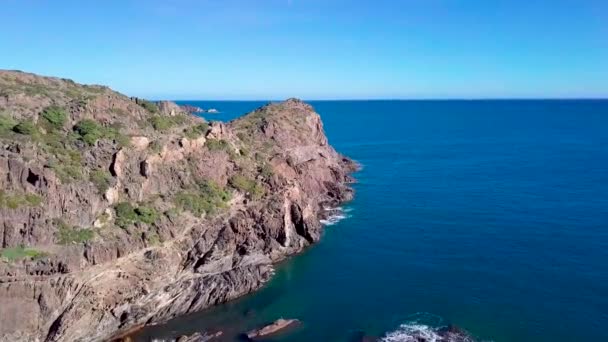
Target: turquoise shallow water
(491,215)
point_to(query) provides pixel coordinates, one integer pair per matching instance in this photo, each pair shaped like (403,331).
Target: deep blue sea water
(491,215)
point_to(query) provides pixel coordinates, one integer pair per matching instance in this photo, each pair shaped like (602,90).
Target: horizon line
(406,99)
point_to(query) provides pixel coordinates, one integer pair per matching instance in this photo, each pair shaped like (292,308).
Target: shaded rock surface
(118,212)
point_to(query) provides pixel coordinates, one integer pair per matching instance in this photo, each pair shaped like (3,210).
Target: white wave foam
(416,332)
(338,214)
(412,333)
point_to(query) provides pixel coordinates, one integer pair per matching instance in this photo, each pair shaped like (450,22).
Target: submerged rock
(200,337)
(280,325)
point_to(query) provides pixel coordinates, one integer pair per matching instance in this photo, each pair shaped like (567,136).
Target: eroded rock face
(92,279)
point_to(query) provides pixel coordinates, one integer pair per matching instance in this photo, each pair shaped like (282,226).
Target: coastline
(191,214)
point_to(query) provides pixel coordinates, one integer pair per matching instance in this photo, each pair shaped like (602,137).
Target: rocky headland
(117,212)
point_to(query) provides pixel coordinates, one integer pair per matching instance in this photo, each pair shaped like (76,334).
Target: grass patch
(163,123)
(90,131)
(147,105)
(15,201)
(72,235)
(25,127)
(217,145)
(152,238)
(7,123)
(266,170)
(209,198)
(247,185)
(127,214)
(196,131)
(66,172)
(20,252)
(146,214)
(155,146)
(118,111)
(101,179)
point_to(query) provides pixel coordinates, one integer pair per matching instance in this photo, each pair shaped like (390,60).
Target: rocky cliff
(117,212)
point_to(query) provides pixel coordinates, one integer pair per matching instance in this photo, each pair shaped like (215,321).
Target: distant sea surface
(490,215)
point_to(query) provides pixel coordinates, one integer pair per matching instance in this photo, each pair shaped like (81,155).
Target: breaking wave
(422,330)
(335,215)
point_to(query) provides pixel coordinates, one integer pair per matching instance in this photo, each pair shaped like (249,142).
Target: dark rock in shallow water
(452,333)
(200,337)
(192,109)
(361,336)
(277,326)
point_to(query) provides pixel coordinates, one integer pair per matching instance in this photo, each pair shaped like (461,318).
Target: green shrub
(14,201)
(52,142)
(247,185)
(20,252)
(266,170)
(161,123)
(196,131)
(155,146)
(146,215)
(208,199)
(73,235)
(89,131)
(114,133)
(26,127)
(152,238)
(55,117)
(101,179)
(217,145)
(33,200)
(66,170)
(149,106)
(7,123)
(127,214)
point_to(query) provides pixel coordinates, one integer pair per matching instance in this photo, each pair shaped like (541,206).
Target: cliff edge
(117,212)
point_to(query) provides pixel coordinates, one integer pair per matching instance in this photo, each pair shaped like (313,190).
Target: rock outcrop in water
(119,212)
(277,326)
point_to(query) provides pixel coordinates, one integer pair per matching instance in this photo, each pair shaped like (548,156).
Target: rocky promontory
(118,212)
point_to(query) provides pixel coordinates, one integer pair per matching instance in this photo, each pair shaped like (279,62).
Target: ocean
(489,215)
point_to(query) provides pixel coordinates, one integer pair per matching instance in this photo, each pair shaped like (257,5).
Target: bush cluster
(127,214)
(196,131)
(209,198)
(14,201)
(90,131)
(67,235)
(247,185)
(55,117)
(101,179)
(20,252)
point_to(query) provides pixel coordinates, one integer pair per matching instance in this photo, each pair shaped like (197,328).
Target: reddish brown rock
(91,279)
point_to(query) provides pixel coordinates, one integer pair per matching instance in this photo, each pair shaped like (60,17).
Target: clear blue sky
(315,49)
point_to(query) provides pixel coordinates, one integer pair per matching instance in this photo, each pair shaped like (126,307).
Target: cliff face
(116,212)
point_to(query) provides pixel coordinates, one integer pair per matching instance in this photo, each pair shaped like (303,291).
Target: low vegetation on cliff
(114,204)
